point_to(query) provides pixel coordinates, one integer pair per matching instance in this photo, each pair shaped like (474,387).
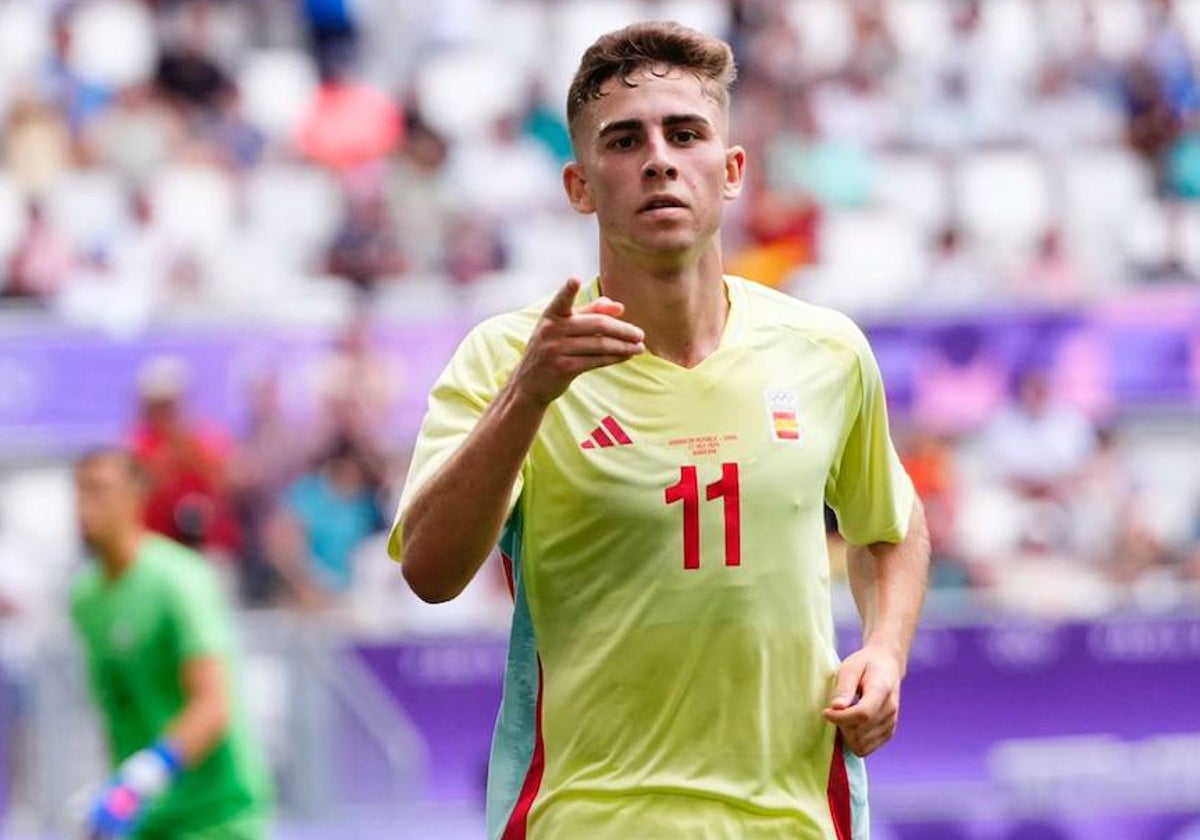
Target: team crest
(781,414)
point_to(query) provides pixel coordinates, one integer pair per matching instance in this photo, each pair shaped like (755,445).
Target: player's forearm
(455,520)
(199,728)
(888,581)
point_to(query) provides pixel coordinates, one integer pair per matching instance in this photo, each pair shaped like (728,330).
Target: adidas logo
(608,433)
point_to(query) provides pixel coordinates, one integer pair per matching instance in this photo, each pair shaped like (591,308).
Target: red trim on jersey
(518,822)
(588,444)
(601,438)
(506,561)
(614,427)
(839,791)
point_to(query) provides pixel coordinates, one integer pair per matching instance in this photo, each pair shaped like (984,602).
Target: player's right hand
(568,341)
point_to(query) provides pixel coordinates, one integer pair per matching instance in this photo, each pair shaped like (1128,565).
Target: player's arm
(888,581)
(455,518)
(204,720)
(188,739)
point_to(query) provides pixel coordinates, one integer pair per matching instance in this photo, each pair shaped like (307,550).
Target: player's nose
(658,163)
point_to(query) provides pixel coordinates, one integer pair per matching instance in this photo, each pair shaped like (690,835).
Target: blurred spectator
(503,173)
(138,274)
(333,33)
(326,515)
(473,249)
(36,145)
(1052,277)
(1113,530)
(269,456)
(957,278)
(40,262)
(185,461)
(186,73)
(136,135)
(365,250)
(929,460)
(348,124)
(1037,444)
(78,97)
(419,200)
(1153,124)
(357,388)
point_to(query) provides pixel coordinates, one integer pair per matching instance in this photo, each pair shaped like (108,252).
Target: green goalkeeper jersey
(138,632)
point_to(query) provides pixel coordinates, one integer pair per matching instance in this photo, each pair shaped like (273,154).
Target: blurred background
(244,237)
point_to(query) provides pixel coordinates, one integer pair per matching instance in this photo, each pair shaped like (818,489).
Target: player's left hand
(866,699)
(119,804)
(114,812)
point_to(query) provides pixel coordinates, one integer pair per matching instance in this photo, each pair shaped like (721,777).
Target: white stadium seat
(195,205)
(1120,28)
(271,196)
(826,33)
(113,43)
(276,87)
(914,184)
(462,92)
(872,261)
(1004,199)
(88,206)
(25,43)
(921,27)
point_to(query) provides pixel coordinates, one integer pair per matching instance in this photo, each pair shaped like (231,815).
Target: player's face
(653,164)
(109,499)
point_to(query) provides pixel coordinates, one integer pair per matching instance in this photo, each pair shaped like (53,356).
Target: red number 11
(687,490)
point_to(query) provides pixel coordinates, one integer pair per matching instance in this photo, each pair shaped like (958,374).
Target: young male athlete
(157,639)
(653,450)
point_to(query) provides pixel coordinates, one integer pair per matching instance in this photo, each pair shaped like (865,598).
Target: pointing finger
(561,304)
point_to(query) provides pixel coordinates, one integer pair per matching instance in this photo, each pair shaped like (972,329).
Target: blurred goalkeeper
(158,640)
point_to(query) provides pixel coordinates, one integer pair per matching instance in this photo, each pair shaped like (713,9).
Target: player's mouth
(662,204)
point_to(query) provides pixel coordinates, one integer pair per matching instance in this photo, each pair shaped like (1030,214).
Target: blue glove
(140,778)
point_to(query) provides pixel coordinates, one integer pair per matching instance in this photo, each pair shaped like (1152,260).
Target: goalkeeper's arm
(188,739)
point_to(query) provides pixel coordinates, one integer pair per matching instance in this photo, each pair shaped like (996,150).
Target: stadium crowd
(372,163)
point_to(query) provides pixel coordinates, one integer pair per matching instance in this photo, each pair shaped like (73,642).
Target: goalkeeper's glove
(139,779)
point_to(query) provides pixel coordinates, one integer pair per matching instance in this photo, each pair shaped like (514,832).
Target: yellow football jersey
(672,642)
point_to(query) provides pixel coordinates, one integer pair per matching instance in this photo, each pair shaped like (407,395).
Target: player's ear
(735,172)
(579,192)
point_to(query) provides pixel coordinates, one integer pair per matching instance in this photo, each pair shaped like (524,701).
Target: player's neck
(681,308)
(117,557)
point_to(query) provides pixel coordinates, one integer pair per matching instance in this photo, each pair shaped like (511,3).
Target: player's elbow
(426,583)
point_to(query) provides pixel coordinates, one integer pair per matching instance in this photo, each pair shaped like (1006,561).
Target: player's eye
(624,142)
(685,136)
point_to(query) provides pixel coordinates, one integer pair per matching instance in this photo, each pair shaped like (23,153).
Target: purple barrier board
(61,389)
(1080,727)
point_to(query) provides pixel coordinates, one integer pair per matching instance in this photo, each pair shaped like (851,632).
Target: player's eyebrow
(637,125)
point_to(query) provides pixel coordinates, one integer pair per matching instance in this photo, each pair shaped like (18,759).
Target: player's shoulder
(503,337)
(85,586)
(172,565)
(770,309)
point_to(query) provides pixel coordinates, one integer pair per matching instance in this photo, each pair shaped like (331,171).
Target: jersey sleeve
(479,368)
(868,487)
(203,626)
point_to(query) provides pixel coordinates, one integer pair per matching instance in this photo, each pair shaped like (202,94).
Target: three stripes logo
(608,433)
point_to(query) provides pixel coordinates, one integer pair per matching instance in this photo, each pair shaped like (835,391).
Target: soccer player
(653,450)
(157,639)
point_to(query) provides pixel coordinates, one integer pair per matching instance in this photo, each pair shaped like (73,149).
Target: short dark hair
(621,53)
(128,461)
